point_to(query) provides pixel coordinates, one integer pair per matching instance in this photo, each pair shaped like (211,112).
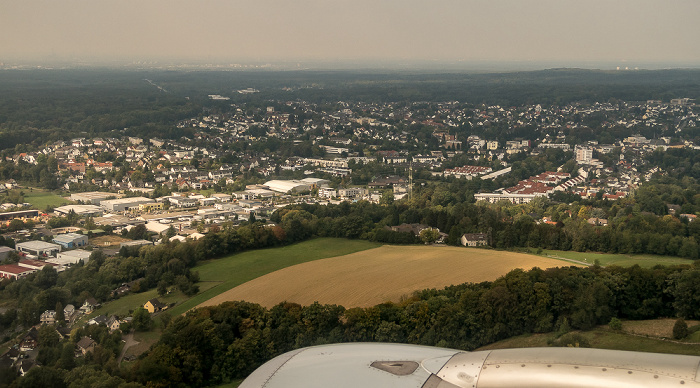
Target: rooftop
(37,245)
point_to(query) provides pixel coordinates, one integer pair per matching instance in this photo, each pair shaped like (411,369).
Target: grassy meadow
(41,199)
(623,260)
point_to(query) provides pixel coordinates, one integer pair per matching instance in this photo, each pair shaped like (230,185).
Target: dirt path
(129,341)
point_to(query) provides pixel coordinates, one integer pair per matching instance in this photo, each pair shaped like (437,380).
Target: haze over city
(359,33)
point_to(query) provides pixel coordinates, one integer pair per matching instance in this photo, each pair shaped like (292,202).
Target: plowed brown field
(381,274)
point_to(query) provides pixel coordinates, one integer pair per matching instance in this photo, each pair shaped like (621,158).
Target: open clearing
(374,276)
(639,336)
(220,275)
(623,260)
(41,199)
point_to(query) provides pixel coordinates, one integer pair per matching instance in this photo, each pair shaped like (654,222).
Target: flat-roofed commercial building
(37,264)
(292,186)
(123,204)
(135,243)
(92,197)
(71,240)
(71,257)
(14,271)
(9,216)
(38,248)
(81,210)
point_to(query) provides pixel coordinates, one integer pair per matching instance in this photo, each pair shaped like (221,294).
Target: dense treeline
(41,106)
(216,344)
(38,106)
(635,225)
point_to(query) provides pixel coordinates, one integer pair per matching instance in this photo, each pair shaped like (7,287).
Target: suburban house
(85,345)
(121,290)
(89,305)
(48,317)
(113,323)
(598,221)
(70,313)
(474,239)
(154,305)
(25,366)
(410,228)
(98,320)
(29,341)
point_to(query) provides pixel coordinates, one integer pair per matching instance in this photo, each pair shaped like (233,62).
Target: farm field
(220,275)
(623,260)
(386,273)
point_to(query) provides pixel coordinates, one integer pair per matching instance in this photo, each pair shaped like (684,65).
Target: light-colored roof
(79,209)
(347,365)
(126,201)
(79,253)
(411,366)
(68,237)
(37,245)
(285,186)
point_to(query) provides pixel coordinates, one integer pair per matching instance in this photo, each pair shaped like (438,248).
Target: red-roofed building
(14,271)
(36,264)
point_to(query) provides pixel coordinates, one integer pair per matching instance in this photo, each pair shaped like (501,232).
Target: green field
(41,199)
(602,338)
(123,306)
(234,270)
(623,260)
(219,275)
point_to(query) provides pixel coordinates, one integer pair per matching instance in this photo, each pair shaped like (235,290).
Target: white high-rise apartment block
(584,154)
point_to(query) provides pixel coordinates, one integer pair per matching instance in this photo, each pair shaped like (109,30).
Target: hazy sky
(574,31)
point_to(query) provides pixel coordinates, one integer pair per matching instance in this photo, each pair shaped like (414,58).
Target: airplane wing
(356,365)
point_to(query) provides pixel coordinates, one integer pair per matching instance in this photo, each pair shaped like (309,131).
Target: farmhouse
(154,305)
(85,345)
(474,239)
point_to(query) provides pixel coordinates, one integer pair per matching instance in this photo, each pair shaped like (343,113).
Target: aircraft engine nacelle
(411,366)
